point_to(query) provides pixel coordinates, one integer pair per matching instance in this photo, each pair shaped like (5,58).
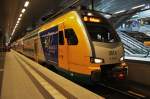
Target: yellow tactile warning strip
(66,85)
(50,89)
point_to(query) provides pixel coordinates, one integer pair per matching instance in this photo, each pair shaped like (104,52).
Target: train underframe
(108,74)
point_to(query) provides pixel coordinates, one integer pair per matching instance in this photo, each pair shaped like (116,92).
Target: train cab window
(71,37)
(61,38)
(102,32)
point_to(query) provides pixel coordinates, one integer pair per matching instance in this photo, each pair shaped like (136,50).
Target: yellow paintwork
(147,43)
(74,58)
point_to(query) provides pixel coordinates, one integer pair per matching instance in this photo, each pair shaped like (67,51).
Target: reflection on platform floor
(22,81)
(16,84)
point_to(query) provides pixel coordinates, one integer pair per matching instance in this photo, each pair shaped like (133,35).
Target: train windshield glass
(102,32)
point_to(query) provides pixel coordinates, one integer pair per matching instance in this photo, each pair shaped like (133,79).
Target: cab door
(62,49)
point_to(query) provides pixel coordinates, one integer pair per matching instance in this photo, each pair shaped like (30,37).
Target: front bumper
(109,73)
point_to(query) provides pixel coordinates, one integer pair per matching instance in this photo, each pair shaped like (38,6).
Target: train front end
(107,49)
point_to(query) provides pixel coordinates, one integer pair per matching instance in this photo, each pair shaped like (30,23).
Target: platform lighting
(26,4)
(23,10)
(14,30)
(119,11)
(138,6)
(19,19)
(16,24)
(12,34)
(20,15)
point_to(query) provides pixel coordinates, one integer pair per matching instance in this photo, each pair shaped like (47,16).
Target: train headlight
(96,60)
(122,58)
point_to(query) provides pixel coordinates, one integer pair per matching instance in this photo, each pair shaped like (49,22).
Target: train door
(49,40)
(36,49)
(62,47)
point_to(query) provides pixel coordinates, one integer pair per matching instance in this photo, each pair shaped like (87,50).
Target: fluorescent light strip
(12,34)
(138,6)
(23,10)
(20,15)
(19,19)
(119,11)
(26,4)
(18,22)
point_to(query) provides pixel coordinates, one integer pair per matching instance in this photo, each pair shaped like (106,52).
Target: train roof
(80,12)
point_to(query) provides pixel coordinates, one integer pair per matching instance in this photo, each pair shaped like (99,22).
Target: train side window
(61,38)
(71,37)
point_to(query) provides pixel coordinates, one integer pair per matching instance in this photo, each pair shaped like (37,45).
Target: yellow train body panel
(96,46)
(147,43)
(76,57)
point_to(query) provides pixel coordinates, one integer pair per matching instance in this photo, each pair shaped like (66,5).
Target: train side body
(66,43)
(73,57)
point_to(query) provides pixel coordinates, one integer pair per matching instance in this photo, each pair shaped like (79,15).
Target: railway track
(123,93)
(106,90)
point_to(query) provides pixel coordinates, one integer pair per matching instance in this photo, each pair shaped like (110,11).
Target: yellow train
(78,42)
(147,43)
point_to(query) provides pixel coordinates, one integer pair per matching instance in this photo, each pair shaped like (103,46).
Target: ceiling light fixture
(18,22)
(138,6)
(26,4)
(12,34)
(119,11)
(19,19)
(23,10)
(20,15)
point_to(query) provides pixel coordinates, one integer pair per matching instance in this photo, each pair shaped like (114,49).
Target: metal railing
(133,47)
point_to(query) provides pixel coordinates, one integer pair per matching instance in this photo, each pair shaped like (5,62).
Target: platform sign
(49,41)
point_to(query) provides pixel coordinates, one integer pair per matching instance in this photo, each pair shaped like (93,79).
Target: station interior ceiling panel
(10,10)
(112,6)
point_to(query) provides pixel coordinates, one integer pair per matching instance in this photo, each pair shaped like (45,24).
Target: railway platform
(22,78)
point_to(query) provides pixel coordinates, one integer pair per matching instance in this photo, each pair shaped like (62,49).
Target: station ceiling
(11,9)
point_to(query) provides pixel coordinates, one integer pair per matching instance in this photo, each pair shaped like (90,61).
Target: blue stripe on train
(49,41)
